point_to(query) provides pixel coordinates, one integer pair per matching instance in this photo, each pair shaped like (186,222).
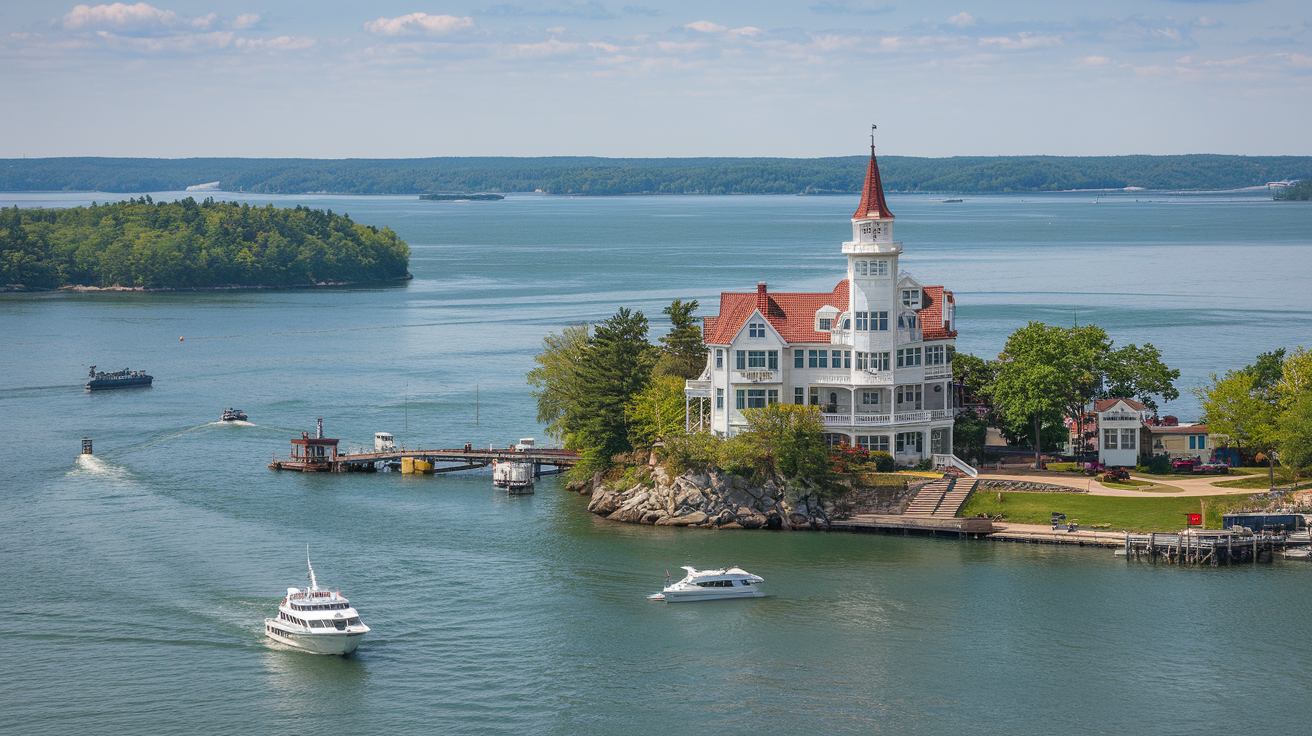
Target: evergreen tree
(616,367)
(683,354)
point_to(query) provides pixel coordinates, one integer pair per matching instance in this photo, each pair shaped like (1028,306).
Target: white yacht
(516,476)
(711,585)
(318,621)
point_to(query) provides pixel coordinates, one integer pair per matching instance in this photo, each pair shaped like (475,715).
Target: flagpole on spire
(872,138)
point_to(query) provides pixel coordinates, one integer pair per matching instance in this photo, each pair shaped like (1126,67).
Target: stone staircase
(942,498)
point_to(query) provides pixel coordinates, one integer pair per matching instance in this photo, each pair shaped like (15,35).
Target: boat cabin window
(715,584)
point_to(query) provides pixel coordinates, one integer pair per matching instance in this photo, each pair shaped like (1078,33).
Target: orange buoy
(180,339)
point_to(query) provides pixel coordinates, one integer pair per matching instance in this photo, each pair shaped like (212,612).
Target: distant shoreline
(20,289)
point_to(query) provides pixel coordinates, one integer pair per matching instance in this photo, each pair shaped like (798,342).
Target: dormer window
(911,298)
(826,317)
(755,329)
(826,324)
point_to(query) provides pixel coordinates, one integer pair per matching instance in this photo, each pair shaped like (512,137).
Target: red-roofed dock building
(874,354)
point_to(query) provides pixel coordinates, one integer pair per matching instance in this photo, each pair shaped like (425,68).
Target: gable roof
(1102,405)
(931,314)
(872,194)
(791,314)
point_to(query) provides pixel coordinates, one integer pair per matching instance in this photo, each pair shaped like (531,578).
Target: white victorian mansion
(875,354)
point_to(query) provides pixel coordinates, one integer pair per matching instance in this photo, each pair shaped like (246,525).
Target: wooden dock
(443,461)
(1208,547)
(933,526)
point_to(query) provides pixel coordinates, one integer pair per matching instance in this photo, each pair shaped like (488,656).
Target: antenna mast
(314,584)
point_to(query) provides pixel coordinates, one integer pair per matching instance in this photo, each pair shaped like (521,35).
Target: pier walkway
(467,458)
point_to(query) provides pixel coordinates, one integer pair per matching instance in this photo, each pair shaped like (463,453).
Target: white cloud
(748,31)
(418,24)
(247,20)
(139,17)
(1296,59)
(1206,21)
(1023,40)
(281,43)
(962,19)
(1095,61)
(705,26)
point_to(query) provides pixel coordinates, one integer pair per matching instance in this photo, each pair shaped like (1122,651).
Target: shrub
(883,461)
(696,452)
(926,464)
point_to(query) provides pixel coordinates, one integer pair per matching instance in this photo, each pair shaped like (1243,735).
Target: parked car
(1183,466)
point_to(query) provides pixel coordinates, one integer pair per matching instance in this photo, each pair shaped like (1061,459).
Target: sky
(415,78)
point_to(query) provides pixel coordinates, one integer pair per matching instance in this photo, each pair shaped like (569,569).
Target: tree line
(1265,408)
(616,176)
(189,244)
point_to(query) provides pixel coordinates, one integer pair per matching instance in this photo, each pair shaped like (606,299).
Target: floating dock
(933,526)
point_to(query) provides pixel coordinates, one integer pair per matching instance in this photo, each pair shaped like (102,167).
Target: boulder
(651,517)
(604,503)
(752,521)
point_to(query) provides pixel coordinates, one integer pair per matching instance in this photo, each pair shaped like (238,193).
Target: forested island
(615,176)
(187,244)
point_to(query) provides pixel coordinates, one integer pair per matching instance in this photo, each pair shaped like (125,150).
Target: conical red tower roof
(872,195)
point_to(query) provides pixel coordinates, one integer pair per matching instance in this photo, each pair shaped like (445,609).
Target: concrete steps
(941,498)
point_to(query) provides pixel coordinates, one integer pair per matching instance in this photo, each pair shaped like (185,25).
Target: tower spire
(872,204)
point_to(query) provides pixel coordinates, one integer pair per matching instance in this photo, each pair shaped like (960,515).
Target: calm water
(139,580)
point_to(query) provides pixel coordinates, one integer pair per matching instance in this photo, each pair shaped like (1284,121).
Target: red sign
(1195,520)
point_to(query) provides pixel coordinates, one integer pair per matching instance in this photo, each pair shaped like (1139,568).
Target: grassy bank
(1132,514)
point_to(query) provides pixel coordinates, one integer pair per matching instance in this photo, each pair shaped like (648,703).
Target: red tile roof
(791,314)
(872,194)
(1105,404)
(931,314)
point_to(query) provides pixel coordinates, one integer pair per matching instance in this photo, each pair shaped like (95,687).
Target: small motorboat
(711,585)
(316,621)
(233,415)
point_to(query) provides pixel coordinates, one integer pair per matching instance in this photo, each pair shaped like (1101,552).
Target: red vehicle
(1183,466)
(1115,474)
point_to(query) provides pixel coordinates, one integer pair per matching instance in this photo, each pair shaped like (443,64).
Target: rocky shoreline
(715,499)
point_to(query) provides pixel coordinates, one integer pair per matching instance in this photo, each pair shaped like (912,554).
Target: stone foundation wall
(1023,486)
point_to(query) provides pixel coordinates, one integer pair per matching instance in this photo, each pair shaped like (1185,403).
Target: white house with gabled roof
(875,354)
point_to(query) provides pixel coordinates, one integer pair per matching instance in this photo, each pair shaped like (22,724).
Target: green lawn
(1259,482)
(1163,514)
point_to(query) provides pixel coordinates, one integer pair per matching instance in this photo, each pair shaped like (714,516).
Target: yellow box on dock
(407,465)
(423,466)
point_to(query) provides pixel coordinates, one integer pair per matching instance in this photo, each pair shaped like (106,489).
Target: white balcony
(882,420)
(697,389)
(756,377)
(938,371)
(878,247)
(857,378)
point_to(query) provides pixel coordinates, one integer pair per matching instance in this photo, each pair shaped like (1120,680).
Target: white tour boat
(711,585)
(516,476)
(318,621)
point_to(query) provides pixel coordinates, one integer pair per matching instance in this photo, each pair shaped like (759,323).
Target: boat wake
(239,423)
(94,466)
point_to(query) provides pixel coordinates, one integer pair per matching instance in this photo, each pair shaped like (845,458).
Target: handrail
(943,462)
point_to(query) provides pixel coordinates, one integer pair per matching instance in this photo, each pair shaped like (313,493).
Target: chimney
(762,301)
(320,429)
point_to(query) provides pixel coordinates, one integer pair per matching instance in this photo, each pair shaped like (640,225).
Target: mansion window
(907,321)
(755,398)
(740,360)
(908,357)
(934,355)
(873,443)
(1128,438)
(772,396)
(871,268)
(841,358)
(826,324)
(756,359)
(799,358)
(799,395)
(909,395)
(817,359)
(908,442)
(719,359)
(911,298)
(1109,439)
(719,398)
(870,398)
(872,321)
(872,361)
(1197,442)
(756,329)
